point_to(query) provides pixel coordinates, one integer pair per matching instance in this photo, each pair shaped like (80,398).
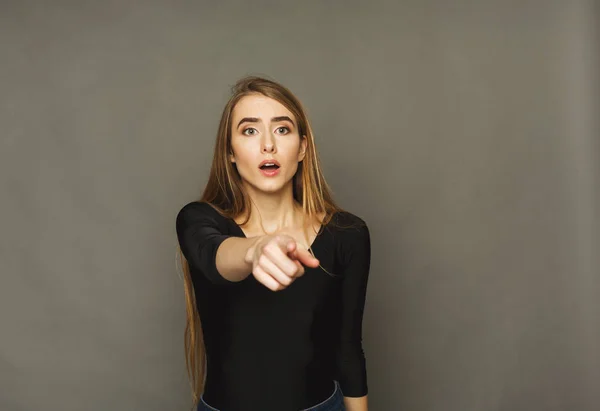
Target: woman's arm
(356,403)
(224,259)
(356,254)
(220,257)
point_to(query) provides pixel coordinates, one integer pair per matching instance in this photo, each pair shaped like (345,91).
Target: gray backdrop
(464,133)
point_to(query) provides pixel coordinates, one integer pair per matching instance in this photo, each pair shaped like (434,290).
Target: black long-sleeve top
(279,351)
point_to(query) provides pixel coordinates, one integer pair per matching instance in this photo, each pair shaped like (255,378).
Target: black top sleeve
(350,356)
(200,235)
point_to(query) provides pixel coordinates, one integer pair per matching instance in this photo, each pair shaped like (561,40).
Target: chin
(270,186)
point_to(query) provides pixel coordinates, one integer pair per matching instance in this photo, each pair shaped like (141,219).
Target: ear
(302,150)
(231,157)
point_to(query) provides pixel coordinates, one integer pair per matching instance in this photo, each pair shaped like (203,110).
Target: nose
(268,144)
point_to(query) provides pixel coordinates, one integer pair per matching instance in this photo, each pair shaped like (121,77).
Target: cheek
(289,149)
(244,151)
(245,162)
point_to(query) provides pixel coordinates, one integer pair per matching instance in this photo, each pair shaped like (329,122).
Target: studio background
(464,133)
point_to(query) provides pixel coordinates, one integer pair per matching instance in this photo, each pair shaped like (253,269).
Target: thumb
(290,246)
(286,244)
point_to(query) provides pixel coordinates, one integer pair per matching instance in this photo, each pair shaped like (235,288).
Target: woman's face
(263,129)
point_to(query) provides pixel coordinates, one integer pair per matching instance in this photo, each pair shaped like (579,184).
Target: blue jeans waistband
(334,403)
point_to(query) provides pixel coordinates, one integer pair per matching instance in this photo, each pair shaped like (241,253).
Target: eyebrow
(256,120)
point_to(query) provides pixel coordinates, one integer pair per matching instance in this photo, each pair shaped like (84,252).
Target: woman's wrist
(251,249)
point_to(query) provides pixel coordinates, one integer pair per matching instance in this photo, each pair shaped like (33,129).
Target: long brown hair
(224,191)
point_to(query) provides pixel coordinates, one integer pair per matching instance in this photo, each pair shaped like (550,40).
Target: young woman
(275,272)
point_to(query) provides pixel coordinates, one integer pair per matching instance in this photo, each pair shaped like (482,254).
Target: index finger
(305,257)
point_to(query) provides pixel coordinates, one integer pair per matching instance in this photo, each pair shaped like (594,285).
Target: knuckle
(262,260)
(271,248)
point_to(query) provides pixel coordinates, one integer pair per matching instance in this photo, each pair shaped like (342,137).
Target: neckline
(319,233)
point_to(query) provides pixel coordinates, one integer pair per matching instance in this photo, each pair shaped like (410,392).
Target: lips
(270,165)
(269,168)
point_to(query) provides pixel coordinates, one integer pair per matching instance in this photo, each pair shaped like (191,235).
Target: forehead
(262,107)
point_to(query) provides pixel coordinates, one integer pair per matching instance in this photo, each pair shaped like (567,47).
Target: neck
(275,211)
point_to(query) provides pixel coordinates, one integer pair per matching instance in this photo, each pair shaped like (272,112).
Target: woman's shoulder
(351,234)
(349,230)
(199,209)
(197,206)
(344,220)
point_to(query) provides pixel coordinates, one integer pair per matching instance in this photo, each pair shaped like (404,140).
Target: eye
(247,131)
(286,130)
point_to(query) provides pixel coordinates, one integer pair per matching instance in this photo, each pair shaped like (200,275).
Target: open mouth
(269,167)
